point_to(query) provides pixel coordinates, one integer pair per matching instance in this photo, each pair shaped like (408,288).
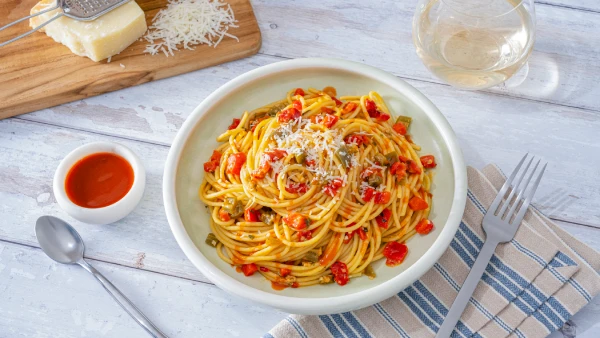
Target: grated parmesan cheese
(374,165)
(186,23)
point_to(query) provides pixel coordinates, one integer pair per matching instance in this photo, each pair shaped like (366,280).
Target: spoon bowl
(59,240)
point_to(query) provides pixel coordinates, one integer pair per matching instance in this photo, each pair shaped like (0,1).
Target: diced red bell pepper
(304,235)
(395,253)
(368,171)
(213,163)
(327,110)
(276,154)
(249,269)
(224,215)
(298,105)
(349,107)
(299,91)
(356,139)
(424,226)
(382,116)
(340,273)
(296,221)
(368,194)
(297,188)
(413,167)
(400,128)
(216,155)
(263,168)
(428,161)
(234,124)
(382,197)
(330,120)
(332,187)
(210,166)
(251,215)
(417,203)
(398,169)
(371,107)
(235,163)
(288,115)
(383,220)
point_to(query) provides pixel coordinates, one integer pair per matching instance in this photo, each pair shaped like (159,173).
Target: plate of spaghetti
(315,186)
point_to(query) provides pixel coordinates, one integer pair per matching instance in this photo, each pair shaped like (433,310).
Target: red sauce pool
(99,180)
(277,286)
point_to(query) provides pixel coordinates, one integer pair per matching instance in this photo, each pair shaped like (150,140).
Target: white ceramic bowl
(195,141)
(113,212)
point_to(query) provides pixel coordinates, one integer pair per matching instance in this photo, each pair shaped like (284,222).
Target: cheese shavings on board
(186,23)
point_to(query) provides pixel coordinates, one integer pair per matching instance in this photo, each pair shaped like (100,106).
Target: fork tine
(502,191)
(525,205)
(515,188)
(521,192)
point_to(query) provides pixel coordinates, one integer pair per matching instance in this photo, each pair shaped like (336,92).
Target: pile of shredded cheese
(186,23)
(304,139)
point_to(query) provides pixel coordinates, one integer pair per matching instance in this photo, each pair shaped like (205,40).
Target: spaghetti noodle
(312,189)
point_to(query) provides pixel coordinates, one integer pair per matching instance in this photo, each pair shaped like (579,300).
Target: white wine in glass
(474,44)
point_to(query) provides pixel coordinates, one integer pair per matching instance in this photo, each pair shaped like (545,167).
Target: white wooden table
(554,113)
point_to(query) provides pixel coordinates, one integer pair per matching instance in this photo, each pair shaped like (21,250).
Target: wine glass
(474,44)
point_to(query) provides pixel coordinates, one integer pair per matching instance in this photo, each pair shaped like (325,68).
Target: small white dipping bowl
(113,212)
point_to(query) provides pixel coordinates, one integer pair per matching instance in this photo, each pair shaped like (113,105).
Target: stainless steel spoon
(62,243)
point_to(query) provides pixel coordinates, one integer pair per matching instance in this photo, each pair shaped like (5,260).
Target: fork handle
(467,289)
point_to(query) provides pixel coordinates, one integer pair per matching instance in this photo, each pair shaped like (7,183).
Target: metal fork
(500,226)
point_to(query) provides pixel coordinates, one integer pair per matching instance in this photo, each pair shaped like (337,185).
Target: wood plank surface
(43,299)
(562,69)
(36,72)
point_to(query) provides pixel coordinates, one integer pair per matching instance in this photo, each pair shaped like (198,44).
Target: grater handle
(58,15)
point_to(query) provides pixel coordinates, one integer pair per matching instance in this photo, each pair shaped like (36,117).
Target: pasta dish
(312,189)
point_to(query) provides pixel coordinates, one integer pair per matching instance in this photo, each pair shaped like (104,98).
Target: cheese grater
(81,10)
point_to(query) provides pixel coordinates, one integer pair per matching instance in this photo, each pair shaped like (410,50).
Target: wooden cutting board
(36,72)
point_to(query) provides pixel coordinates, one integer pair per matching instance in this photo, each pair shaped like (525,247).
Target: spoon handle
(124,302)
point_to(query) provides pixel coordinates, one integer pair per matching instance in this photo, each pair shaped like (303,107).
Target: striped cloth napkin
(531,287)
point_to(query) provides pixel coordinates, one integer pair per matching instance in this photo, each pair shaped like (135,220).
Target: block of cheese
(99,39)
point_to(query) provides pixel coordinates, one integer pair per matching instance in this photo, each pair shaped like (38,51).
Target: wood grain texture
(44,299)
(563,67)
(27,185)
(40,298)
(36,72)
(490,127)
